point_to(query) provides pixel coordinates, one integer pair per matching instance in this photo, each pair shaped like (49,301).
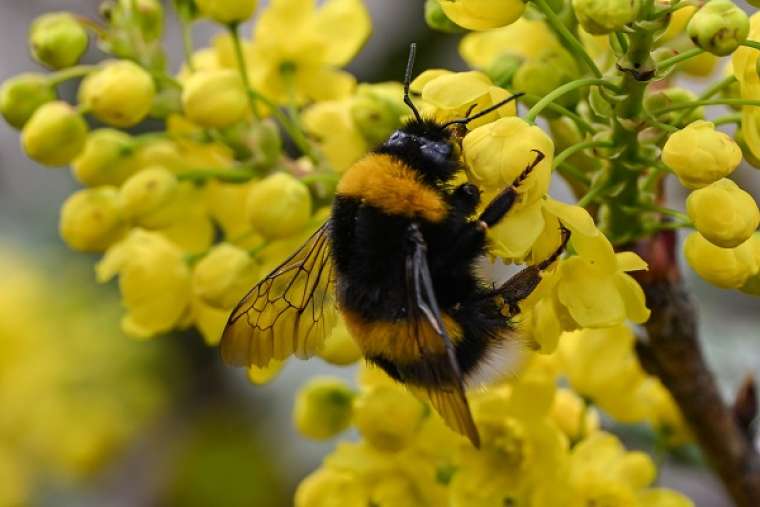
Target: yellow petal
(630,261)
(633,298)
(420,81)
(324,83)
(210,321)
(450,91)
(589,294)
(661,497)
(513,237)
(575,218)
(345,25)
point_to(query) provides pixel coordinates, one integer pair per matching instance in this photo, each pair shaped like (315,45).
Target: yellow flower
(21,95)
(215,98)
(331,488)
(224,275)
(744,61)
(723,213)
(388,416)
(497,153)
(450,95)
(482,14)
(725,267)
(700,155)
(91,220)
(601,364)
(105,159)
(664,414)
(298,48)
(227,11)
(593,285)
(331,123)
(340,348)
(573,416)
(323,408)
(525,38)
(54,135)
(120,93)
(278,206)
(154,280)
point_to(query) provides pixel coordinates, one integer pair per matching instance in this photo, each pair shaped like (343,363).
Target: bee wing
(443,383)
(290,312)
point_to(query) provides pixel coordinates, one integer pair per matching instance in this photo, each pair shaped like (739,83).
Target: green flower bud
(120,94)
(541,75)
(278,206)
(147,192)
(376,111)
(227,11)
(323,408)
(224,275)
(54,135)
(437,19)
(90,220)
(105,158)
(56,39)
(259,142)
(150,17)
(601,17)
(670,97)
(21,95)
(215,98)
(718,27)
(503,68)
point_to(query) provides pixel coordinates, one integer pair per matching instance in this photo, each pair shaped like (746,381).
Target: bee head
(426,146)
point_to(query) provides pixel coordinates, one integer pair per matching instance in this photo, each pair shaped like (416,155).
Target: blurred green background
(90,417)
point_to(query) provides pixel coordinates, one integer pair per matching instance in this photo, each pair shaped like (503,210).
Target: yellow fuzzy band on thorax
(390,185)
(396,340)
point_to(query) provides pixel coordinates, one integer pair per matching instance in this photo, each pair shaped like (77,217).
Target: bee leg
(502,203)
(522,284)
(464,199)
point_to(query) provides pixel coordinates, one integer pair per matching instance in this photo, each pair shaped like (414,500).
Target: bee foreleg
(502,203)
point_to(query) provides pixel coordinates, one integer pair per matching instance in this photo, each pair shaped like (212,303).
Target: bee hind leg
(522,284)
(502,203)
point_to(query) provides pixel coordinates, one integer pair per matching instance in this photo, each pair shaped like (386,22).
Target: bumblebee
(397,259)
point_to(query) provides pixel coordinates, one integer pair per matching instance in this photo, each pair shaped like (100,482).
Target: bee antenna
(408,80)
(467,119)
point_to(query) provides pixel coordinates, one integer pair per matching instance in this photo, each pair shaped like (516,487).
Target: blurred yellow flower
(119,93)
(91,219)
(154,280)
(330,122)
(227,11)
(278,206)
(323,408)
(215,98)
(388,416)
(744,62)
(106,158)
(54,135)
(297,49)
(525,38)
(340,348)
(223,276)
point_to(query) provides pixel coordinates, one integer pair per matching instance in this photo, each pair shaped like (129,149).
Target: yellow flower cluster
(63,420)
(540,447)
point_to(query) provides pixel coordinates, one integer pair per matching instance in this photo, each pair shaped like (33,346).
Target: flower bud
(21,95)
(340,347)
(278,206)
(728,268)
(437,20)
(377,111)
(497,153)
(120,93)
(54,135)
(670,97)
(330,487)
(483,14)
(550,69)
(388,416)
(718,27)
(150,18)
(700,155)
(323,408)
(154,281)
(572,415)
(503,68)
(215,98)
(224,275)
(227,11)
(56,39)
(600,17)
(90,220)
(104,159)
(723,213)
(147,192)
